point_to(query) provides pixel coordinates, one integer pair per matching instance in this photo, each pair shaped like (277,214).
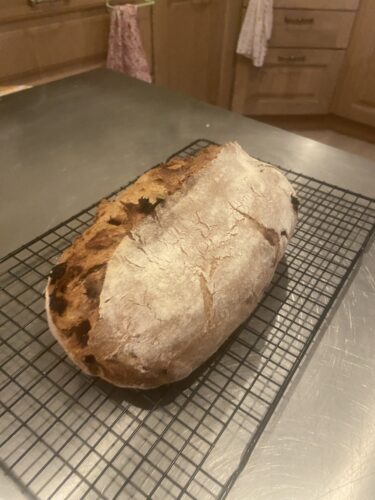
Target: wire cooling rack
(65,435)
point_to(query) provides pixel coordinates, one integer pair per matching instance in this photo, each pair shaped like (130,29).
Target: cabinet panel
(311,28)
(145,26)
(18,56)
(355,96)
(292,81)
(15,10)
(315,4)
(33,48)
(195,46)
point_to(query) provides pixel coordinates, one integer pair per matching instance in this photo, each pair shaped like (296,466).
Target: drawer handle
(299,20)
(34,3)
(292,58)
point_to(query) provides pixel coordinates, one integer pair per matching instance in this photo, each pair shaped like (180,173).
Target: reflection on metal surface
(330,452)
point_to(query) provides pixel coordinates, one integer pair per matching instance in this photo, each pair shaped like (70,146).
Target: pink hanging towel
(125,49)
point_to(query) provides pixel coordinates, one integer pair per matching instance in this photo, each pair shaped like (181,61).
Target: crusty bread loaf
(169,269)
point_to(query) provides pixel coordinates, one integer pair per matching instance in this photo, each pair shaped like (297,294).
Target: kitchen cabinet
(18,10)
(54,39)
(311,28)
(355,96)
(51,39)
(315,4)
(194,46)
(38,49)
(303,63)
(145,27)
(299,81)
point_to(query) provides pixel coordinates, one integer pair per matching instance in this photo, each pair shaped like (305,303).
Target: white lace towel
(256,30)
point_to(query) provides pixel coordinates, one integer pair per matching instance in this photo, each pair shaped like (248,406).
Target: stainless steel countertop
(66,144)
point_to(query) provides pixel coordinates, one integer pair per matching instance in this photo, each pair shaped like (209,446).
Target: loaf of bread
(172,267)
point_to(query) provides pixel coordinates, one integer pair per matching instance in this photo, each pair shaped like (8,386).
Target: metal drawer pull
(292,58)
(146,3)
(34,3)
(299,20)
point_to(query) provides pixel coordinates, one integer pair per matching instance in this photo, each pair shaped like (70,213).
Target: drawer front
(32,48)
(311,28)
(15,10)
(292,81)
(315,4)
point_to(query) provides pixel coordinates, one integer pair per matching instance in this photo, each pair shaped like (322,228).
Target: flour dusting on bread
(169,270)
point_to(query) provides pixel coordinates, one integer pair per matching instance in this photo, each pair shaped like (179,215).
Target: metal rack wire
(65,435)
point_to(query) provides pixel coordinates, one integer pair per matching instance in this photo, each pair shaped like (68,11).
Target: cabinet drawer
(311,28)
(315,4)
(15,10)
(33,48)
(292,81)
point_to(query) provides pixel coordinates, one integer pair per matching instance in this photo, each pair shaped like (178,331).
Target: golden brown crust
(76,282)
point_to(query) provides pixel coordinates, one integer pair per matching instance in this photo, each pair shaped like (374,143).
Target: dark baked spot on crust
(73,272)
(62,274)
(93,281)
(57,304)
(93,287)
(114,221)
(57,272)
(295,203)
(271,236)
(100,241)
(250,299)
(94,269)
(91,363)
(146,207)
(129,207)
(81,332)
(60,277)
(284,233)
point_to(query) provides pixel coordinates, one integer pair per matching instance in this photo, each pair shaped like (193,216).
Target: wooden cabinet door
(56,39)
(314,4)
(194,46)
(292,81)
(18,10)
(311,28)
(38,49)
(355,96)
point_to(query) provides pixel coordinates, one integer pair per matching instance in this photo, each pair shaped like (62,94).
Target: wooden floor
(340,141)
